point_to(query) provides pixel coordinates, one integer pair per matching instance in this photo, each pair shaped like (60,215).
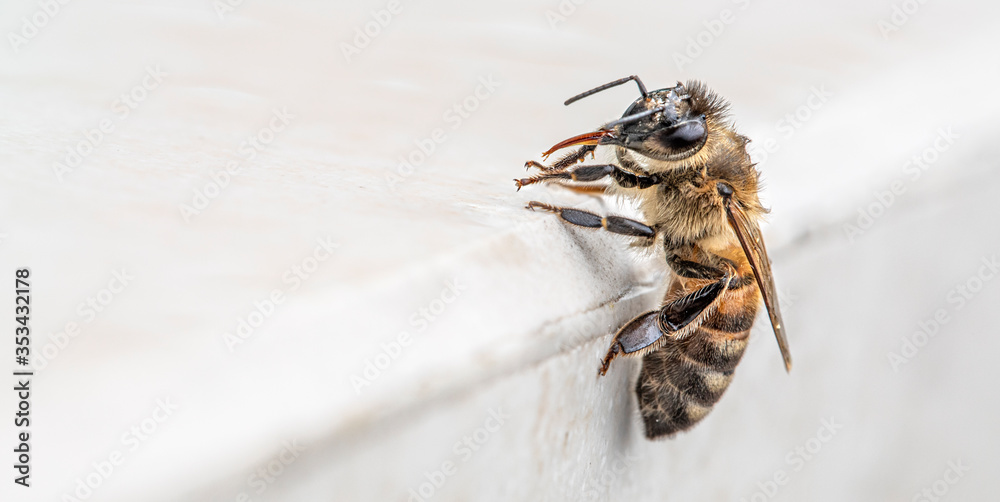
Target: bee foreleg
(567,160)
(613,224)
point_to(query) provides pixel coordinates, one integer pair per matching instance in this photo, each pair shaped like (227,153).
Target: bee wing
(753,246)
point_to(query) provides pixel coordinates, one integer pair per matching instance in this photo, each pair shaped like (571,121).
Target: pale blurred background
(241,292)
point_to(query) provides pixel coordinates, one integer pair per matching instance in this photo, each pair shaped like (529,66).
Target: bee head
(663,125)
(668,125)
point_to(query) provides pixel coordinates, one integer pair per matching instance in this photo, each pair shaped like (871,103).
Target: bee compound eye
(684,136)
(724,189)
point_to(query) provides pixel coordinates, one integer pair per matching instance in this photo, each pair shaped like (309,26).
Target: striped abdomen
(681,381)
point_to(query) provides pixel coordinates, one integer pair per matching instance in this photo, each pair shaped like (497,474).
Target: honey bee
(680,158)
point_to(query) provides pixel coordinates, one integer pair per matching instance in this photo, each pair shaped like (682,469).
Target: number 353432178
(22,313)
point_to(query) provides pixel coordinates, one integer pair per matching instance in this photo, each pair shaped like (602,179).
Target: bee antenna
(634,117)
(642,88)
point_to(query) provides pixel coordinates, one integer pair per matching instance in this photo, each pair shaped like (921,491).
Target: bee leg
(593,173)
(578,173)
(613,224)
(593,190)
(670,320)
(680,264)
(565,161)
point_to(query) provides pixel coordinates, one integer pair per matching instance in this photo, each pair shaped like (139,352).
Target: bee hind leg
(673,320)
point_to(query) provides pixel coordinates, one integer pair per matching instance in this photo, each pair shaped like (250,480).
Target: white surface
(525,334)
